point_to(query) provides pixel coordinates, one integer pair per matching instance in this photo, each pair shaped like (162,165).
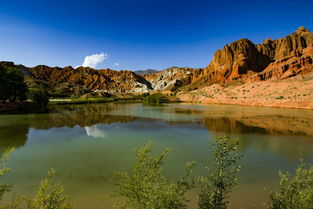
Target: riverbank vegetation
(146,186)
(76,100)
(155,99)
(146,98)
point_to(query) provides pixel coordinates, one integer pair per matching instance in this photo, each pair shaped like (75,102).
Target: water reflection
(228,120)
(87,143)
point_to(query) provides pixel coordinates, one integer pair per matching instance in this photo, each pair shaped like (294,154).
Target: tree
(295,192)
(12,85)
(147,188)
(221,179)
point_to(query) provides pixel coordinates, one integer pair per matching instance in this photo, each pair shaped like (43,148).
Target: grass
(75,100)
(81,100)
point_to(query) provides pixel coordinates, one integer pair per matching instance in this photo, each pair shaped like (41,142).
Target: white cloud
(117,64)
(93,60)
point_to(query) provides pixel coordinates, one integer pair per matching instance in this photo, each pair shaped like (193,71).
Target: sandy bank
(286,94)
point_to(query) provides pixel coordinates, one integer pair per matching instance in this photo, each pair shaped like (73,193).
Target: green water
(87,143)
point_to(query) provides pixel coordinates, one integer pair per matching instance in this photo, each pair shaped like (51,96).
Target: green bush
(221,179)
(12,85)
(156,98)
(146,187)
(295,192)
(50,196)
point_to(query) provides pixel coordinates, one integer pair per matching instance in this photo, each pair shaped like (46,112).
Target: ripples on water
(87,143)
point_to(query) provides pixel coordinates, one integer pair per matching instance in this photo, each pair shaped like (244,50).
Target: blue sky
(138,34)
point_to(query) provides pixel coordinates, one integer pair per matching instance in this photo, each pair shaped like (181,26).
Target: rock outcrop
(242,59)
(172,78)
(293,66)
(288,46)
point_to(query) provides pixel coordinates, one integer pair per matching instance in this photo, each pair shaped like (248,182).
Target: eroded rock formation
(243,59)
(172,78)
(89,79)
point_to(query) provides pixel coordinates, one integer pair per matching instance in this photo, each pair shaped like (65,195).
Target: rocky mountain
(88,79)
(243,59)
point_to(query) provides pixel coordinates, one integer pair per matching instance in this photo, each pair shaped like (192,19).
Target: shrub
(295,192)
(146,186)
(4,188)
(221,179)
(50,196)
(3,169)
(279,97)
(156,98)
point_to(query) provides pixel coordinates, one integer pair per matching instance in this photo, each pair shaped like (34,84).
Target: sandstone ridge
(243,59)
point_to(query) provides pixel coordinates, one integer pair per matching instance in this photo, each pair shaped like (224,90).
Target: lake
(86,144)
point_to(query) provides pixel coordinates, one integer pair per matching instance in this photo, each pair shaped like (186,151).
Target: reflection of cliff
(261,125)
(262,136)
(239,119)
(231,126)
(286,127)
(83,116)
(288,147)
(285,146)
